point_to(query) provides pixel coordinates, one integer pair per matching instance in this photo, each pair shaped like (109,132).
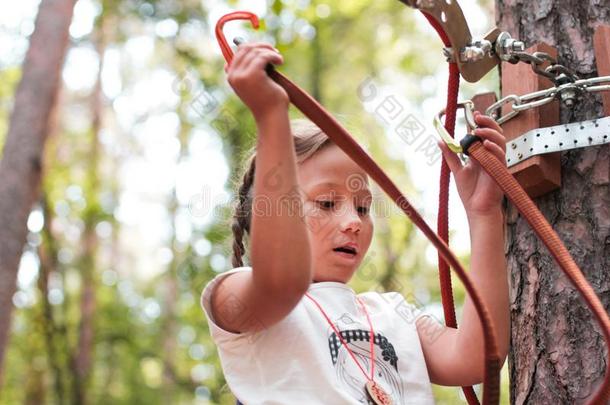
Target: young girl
(289,329)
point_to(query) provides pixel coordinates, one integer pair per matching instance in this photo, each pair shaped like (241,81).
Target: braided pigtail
(243,214)
(308,139)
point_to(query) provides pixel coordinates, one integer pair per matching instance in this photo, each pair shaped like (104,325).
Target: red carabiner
(220,36)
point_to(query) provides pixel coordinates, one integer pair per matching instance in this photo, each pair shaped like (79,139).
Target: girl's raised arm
(279,248)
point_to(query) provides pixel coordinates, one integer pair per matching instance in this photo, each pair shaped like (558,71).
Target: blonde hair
(308,139)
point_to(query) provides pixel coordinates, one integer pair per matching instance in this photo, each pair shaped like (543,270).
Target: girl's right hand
(247,76)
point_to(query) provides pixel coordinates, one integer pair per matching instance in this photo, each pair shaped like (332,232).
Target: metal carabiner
(227,52)
(452,143)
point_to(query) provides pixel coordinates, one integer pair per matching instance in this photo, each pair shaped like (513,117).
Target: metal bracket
(474,58)
(558,138)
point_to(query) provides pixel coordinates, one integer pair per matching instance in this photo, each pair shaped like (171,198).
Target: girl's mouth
(346,253)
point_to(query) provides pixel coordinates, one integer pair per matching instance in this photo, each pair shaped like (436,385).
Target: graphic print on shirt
(358,341)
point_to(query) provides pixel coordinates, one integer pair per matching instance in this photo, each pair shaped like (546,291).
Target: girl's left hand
(478,191)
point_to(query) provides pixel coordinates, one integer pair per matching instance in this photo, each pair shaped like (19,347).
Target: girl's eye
(326,204)
(363,210)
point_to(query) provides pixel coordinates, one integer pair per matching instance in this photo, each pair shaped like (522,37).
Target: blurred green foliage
(151,342)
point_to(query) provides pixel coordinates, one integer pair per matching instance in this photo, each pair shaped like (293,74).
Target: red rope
(443,200)
(444,273)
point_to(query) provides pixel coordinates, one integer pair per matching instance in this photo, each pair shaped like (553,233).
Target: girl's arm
(279,248)
(456,356)
(280,252)
(489,275)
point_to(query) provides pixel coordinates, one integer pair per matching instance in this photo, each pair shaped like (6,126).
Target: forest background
(146,147)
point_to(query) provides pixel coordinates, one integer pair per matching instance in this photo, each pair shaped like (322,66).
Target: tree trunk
(83,360)
(557,352)
(20,168)
(47,252)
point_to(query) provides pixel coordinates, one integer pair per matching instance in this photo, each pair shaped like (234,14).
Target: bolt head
(518,46)
(472,54)
(568,96)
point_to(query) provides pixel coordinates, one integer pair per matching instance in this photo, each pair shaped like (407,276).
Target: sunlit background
(138,209)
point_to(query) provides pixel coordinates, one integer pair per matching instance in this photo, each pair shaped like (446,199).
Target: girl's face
(337,203)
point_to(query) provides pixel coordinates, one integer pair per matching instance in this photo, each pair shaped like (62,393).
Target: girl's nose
(351,221)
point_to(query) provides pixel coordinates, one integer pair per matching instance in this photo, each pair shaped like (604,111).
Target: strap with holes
(558,138)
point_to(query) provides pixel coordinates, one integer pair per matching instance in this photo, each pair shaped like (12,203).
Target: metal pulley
(476,57)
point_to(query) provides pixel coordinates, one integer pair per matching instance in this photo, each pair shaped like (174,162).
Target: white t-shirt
(300,360)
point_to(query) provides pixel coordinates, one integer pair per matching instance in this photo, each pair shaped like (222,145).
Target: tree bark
(21,168)
(557,352)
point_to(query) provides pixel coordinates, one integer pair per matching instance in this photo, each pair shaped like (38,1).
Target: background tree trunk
(47,252)
(20,168)
(84,352)
(557,353)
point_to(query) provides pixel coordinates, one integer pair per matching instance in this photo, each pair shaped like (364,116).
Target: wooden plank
(601,44)
(539,174)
